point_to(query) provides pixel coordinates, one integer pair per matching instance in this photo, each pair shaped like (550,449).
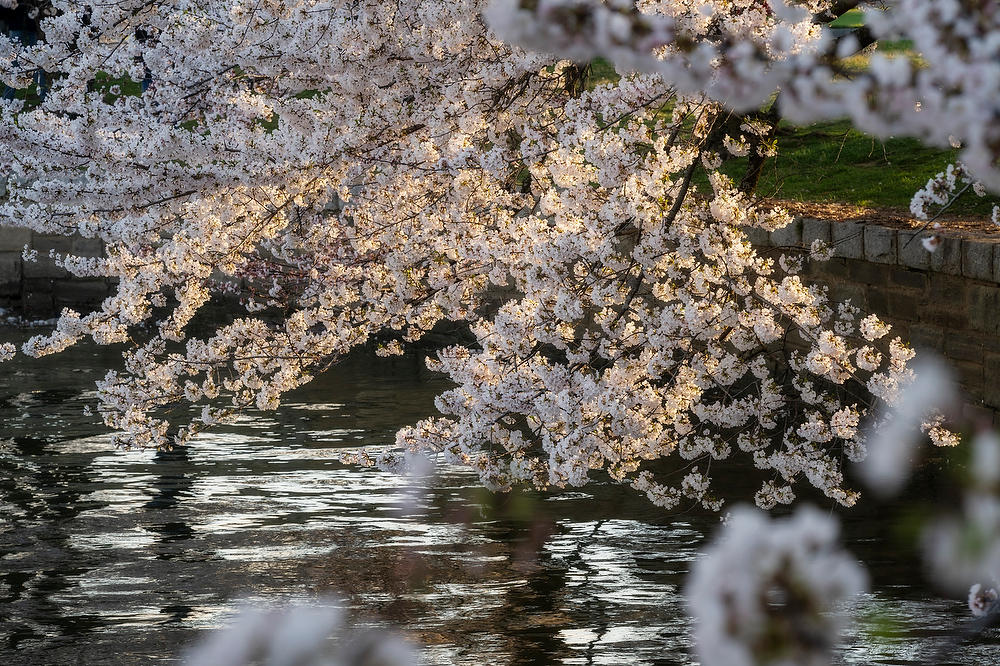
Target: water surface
(118,557)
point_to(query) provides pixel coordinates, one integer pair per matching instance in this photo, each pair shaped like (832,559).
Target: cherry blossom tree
(358,172)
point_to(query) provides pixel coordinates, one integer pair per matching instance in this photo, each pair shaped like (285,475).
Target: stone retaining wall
(40,288)
(947,301)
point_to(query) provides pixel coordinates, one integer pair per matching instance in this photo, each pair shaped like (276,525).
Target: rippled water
(111,557)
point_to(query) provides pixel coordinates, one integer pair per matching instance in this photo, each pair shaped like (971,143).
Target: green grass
(834,163)
(601,71)
(852,18)
(102,83)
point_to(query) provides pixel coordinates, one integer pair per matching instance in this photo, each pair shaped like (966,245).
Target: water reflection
(124,557)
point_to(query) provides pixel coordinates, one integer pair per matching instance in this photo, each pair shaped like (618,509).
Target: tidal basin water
(127,557)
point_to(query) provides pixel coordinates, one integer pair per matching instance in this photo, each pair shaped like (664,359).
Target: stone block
(947,291)
(991,388)
(758,237)
(878,301)
(44,243)
(978,414)
(10,273)
(947,258)
(991,398)
(927,336)
(815,230)
(996,262)
(37,304)
(10,267)
(841,292)
(970,375)
(43,267)
(907,277)
(880,244)
(37,285)
(70,293)
(788,236)
(13,239)
(827,271)
(87,247)
(848,239)
(948,320)
(964,348)
(900,328)
(904,306)
(869,273)
(911,250)
(984,308)
(977,259)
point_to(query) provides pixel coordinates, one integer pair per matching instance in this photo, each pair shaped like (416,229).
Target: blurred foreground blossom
(985,465)
(963,550)
(895,437)
(931,243)
(960,550)
(770,591)
(301,636)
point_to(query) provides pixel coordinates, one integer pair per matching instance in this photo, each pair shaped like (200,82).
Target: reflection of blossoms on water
(301,636)
(767,591)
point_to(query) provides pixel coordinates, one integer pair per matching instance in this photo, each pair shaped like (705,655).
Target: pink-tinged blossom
(931,243)
(982,601)
(963,549)
(985,463)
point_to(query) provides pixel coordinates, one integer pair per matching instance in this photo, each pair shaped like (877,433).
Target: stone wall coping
(967,253)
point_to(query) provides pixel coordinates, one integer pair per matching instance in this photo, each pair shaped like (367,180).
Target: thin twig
(938,214)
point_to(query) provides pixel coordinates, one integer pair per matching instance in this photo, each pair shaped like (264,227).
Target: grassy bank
(834,163)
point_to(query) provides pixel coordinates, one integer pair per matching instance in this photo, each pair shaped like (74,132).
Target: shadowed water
(115,557)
